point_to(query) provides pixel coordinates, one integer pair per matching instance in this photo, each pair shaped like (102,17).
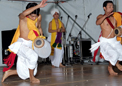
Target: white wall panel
(9,11)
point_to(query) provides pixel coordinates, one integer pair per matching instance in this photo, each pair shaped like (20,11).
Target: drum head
(117,31)
(43,51)
(38,42)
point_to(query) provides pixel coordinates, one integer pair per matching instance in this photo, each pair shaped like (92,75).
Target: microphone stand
(66,24)
(80,33)
(70,46)
(65,50)
(72,28)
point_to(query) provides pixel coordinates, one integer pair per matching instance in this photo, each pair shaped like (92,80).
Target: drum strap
(110,23)
(95,52)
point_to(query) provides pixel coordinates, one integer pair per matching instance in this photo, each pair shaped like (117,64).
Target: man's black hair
(29,5)
(106,2)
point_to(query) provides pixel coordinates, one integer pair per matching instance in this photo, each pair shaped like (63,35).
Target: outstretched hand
(43,3)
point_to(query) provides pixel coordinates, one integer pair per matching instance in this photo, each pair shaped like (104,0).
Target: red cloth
(9,61)
(36,33)
(95,52)
(120,13)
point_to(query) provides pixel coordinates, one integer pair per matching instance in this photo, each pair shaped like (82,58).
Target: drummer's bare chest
(106,24)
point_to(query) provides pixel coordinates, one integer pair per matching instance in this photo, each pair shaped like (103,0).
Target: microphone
(89,15)
(76,16)
(61,18)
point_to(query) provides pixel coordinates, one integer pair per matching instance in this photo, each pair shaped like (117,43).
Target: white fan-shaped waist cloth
(102,40)
(15,46)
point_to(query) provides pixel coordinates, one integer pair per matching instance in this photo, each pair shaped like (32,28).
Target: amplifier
(81,48)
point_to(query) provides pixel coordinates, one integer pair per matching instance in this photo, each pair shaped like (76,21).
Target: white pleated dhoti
(111,49)
(27,57)
(56,59)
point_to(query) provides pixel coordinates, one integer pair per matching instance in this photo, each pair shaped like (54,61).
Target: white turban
(54,10)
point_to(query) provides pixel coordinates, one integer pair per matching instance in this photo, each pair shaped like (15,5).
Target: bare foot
(62,65)
(34,80)
(3,84)
(53,66)
(111,71)
(119,66)
(6,74)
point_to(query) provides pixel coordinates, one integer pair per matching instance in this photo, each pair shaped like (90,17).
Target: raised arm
(101,18)
(39,25)
(28,11)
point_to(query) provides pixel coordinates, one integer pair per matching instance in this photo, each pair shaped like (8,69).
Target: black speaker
(81,48)
(7,36)
(86,45)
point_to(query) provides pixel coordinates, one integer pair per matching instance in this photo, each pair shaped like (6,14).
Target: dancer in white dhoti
(29,28)
(56,28)
(110,48)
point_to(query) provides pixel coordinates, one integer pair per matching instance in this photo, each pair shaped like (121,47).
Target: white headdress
(54,10)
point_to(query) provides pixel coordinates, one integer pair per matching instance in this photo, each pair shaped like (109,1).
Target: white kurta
(110,49)
(56,59)
(27,58)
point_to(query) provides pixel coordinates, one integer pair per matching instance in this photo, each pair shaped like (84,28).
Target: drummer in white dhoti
(29,28)
(110,48)
(56,28)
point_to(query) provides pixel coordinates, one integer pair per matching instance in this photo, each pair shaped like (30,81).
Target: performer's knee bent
(32,60)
